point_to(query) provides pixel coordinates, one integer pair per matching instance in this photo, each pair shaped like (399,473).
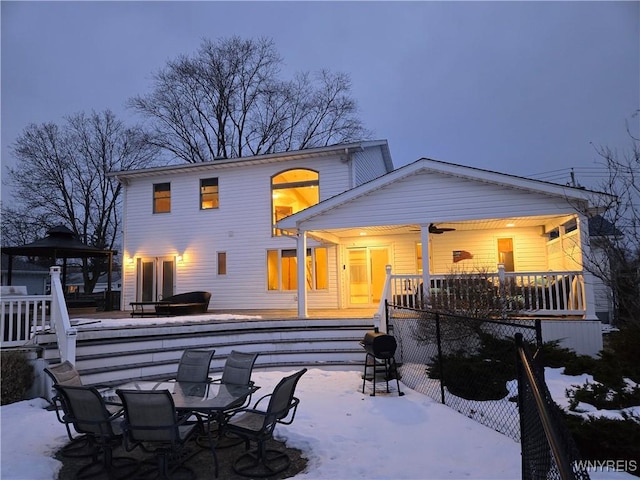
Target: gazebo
(61,243)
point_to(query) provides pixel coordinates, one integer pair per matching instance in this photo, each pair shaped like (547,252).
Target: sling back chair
(66,374)
(194,365)
(257,426)
(152,423)
(87,412)
(238,368)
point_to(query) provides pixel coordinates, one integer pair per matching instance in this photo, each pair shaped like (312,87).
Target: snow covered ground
(344,433)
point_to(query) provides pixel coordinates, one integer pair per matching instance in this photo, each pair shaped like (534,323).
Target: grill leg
(394,368)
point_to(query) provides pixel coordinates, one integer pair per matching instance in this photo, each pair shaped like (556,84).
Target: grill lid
(378,344)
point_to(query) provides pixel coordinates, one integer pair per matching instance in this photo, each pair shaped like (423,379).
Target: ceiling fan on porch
(437,230)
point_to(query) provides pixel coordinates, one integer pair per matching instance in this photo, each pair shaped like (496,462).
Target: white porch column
(301,253)
(589,279)
(426,277)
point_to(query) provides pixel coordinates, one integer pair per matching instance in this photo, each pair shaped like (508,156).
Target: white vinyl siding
(368,165)
(437,197)
(241,227)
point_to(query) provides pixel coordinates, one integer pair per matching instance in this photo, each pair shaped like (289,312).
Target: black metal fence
(548,450)
(466,363)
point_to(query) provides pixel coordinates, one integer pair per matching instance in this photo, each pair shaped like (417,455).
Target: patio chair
(152,423)
(257,426)
(194,365)
(87,412)
(66,374)
(238,368)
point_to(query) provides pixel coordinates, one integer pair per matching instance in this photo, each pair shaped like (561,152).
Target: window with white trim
(291,191)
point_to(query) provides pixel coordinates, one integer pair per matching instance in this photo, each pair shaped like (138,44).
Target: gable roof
(450,169)
(342,149)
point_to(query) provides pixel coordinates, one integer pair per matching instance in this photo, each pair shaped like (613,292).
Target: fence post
(440,358)
(538,324)
(521,396)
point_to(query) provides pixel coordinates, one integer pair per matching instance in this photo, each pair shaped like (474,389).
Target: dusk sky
(518,87)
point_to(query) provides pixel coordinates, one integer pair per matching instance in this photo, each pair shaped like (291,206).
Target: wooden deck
(364,313)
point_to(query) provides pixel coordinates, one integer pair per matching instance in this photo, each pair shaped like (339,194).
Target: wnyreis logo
(608,465)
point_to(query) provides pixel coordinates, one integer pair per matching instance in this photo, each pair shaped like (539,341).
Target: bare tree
(228,101)
(60,176)
(616,234)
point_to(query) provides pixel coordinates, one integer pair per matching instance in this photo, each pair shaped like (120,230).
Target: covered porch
(436,224)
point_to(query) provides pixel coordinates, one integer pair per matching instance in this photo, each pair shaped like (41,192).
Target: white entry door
(367,272)
(155,278)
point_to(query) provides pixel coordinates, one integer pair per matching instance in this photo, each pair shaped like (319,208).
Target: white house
(211,226)
(342,215)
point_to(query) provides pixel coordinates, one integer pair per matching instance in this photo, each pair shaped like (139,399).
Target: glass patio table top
(207,397)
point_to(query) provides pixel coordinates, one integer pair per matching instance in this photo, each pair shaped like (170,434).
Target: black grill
(380,346)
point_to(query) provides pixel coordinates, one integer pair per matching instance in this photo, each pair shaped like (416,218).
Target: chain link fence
(468,364)
(548,450)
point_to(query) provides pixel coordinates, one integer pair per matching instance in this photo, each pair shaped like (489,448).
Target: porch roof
(424,165)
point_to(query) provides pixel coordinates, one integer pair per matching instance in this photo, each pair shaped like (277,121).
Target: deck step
(108,355)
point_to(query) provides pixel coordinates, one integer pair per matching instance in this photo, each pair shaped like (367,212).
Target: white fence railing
(22,317)
(525,293)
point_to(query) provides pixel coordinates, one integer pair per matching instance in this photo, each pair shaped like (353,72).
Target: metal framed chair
(152,423)
(257,426)
(194,365)
(87,412)
(66,374)
(238,368)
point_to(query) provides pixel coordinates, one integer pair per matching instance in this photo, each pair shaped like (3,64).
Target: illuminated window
(293,191)
(208,193)
(222,263)
(282,269)
(161,197)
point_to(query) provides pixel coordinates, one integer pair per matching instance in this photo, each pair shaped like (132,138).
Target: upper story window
(292,191)
(161,197)
(209,193)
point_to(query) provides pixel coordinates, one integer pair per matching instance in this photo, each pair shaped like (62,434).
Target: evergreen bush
(17,376)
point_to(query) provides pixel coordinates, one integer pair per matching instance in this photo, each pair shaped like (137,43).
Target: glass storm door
(155,278)
(366,267)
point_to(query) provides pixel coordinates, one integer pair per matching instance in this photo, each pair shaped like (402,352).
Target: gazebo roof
(60,242)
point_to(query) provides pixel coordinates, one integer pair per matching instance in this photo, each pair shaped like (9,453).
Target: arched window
(292,191)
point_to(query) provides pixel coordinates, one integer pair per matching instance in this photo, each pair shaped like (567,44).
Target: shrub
(606,439)
(17,376)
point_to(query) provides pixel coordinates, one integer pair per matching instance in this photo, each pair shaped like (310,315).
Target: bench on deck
(181,304)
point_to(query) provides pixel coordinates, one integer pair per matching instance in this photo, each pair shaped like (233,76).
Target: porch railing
(22,317)
(524,293)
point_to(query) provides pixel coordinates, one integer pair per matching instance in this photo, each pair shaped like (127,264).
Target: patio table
(209,398)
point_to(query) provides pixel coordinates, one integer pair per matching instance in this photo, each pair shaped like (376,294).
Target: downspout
(301,254)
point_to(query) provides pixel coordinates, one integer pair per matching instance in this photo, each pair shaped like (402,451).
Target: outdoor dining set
(169,421)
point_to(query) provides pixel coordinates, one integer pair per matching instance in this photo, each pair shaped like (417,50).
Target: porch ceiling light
(511,224)
(129,260)
(363,234)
